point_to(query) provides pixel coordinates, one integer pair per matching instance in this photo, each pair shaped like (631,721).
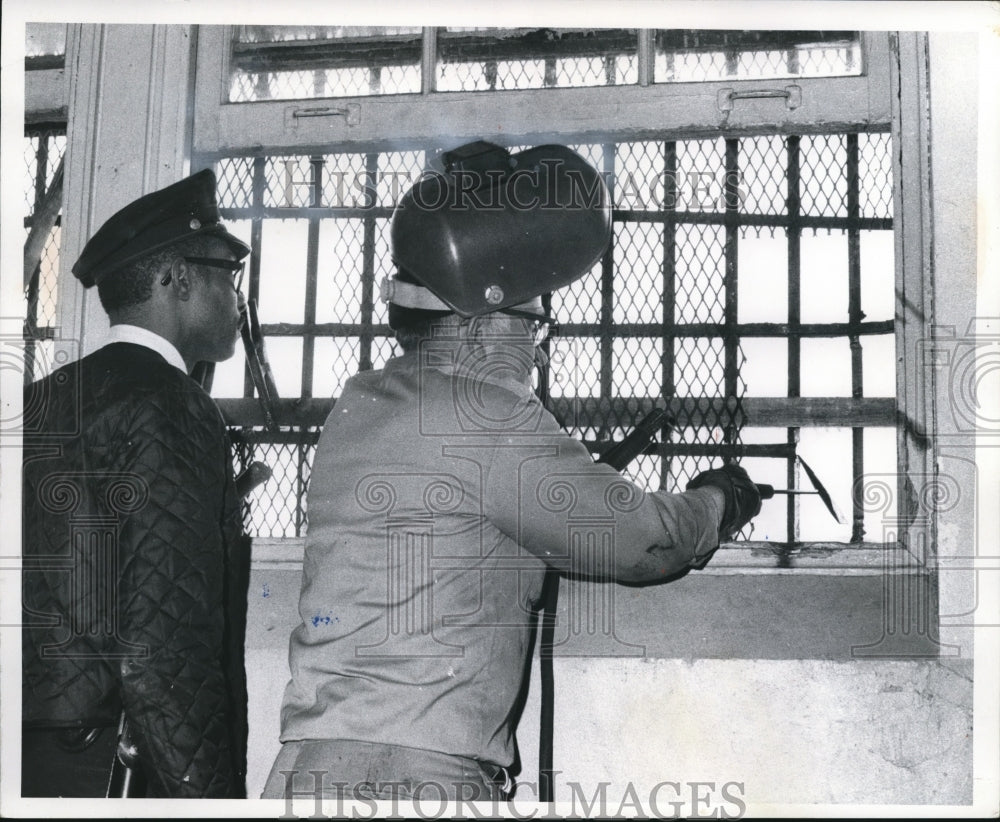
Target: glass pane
(878,357)
(829,453)
(824,297)
(285,356)
(763,279)
(826,367)
(44,39)
(498,59)
(307,62)
(878,275)
(877,490)
(699,55)
(227,380)
(765,370)
(283,271)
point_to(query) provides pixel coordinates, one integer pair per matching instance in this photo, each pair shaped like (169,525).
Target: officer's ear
(178,278)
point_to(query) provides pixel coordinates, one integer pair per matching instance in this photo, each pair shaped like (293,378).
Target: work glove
(742,496)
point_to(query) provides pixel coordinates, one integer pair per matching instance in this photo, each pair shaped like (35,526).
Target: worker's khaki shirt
(436,491)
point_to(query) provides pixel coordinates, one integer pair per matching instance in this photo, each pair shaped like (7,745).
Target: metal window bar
(368,272)
(793,146)
(603,417)
(854,317)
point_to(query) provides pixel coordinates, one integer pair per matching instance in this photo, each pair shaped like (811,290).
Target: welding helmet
(492,230)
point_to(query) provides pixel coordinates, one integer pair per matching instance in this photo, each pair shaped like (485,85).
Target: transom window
(301,62)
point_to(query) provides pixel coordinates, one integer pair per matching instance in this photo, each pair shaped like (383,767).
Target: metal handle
(791,94)
(352,113)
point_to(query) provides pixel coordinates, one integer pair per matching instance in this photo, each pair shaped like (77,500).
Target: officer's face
(216,308)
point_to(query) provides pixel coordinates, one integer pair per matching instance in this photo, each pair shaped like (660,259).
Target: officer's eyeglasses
(541,326)
(236,267)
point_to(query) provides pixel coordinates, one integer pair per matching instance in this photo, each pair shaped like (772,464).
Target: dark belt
(71,740)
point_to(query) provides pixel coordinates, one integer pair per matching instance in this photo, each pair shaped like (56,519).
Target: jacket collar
(148,339)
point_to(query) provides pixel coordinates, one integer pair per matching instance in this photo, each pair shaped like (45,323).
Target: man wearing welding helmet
(441,492)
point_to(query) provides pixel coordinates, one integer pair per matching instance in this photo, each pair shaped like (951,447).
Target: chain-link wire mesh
(692,56)
(43,153)
(696,303)
(306,62)
(498,59)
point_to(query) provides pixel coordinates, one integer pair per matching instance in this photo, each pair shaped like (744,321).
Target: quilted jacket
(136,568)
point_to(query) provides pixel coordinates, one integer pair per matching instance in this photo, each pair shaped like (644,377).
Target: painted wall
(767,698)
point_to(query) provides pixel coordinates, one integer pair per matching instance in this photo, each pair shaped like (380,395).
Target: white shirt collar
(149,339)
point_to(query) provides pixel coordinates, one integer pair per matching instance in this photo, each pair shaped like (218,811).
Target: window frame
(868,102)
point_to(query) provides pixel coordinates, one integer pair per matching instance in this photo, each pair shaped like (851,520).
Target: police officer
(134,584)
(441,490)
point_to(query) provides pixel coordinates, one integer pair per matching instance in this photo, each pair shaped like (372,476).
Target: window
(44,146)
(750,283)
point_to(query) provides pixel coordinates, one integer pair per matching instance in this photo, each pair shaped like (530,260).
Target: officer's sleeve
(544,490)
(170,598)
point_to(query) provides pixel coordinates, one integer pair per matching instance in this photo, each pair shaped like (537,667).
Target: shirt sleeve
(170,599)
(544,490)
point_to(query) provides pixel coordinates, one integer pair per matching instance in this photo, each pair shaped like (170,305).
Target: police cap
(182,210)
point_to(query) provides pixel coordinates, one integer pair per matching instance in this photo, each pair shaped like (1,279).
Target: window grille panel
(824,179)
(43,153)
(638,273)
(636,367)
(699,274)
(742,272)
(336,359)
(875,175)
(580,302)
(763,180)
(341,261)
(575,367)
(276,509)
